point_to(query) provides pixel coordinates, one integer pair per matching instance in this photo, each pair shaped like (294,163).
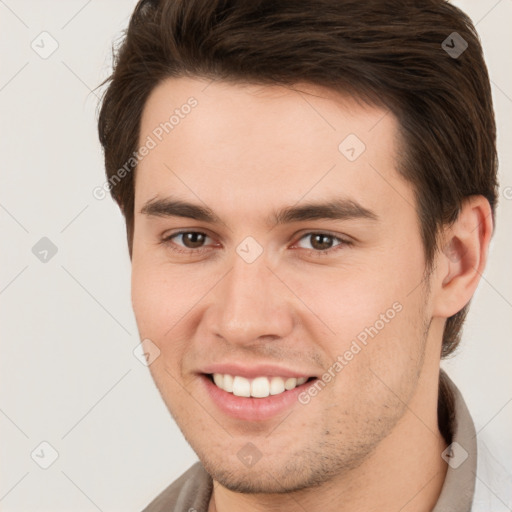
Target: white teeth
(218,378)
(241,386)
(290,383)
(228,383)
(260,387)
(276,385)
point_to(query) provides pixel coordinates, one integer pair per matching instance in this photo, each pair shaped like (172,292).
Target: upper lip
(254,370)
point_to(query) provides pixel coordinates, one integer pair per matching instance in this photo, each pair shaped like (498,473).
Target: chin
(254,481)
(299,472)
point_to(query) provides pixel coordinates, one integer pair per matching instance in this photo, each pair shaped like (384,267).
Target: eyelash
(343,243)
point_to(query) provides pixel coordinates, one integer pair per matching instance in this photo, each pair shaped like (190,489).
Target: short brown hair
(388,53)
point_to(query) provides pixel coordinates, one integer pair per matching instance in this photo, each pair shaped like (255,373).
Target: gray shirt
(191,492)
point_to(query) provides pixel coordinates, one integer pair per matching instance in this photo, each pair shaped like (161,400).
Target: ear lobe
(463,257)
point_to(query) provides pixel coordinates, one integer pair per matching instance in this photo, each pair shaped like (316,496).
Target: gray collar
(461,455)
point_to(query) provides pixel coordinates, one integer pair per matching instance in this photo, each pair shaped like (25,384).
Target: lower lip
(249,408)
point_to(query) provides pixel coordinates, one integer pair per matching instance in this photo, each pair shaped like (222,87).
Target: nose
(251,305)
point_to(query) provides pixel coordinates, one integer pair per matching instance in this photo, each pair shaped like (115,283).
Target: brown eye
(193,240)
(322,243)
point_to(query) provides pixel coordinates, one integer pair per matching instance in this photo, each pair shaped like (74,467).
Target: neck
(405,472)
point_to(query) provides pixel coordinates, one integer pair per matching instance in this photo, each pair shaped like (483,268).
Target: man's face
(266,301)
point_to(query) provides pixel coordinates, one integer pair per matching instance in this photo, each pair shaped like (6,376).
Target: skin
(369,439)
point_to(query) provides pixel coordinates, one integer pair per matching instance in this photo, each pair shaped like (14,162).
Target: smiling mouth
(259,387)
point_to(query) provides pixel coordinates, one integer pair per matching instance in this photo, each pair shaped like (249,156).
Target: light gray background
(68,374)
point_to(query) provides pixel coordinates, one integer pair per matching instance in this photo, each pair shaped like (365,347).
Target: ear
(462,260)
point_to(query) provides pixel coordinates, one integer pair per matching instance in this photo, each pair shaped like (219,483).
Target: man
(309,192)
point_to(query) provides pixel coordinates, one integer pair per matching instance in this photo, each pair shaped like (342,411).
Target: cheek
(153,295)
(143,295)
(375,315)
(159,303)
(346,300)
(163,300)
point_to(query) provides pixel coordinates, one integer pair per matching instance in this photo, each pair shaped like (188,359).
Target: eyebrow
(336,209)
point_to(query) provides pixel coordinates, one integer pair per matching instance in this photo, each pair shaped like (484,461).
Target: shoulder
(190,492)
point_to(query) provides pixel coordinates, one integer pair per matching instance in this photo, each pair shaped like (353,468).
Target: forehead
(247,145)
